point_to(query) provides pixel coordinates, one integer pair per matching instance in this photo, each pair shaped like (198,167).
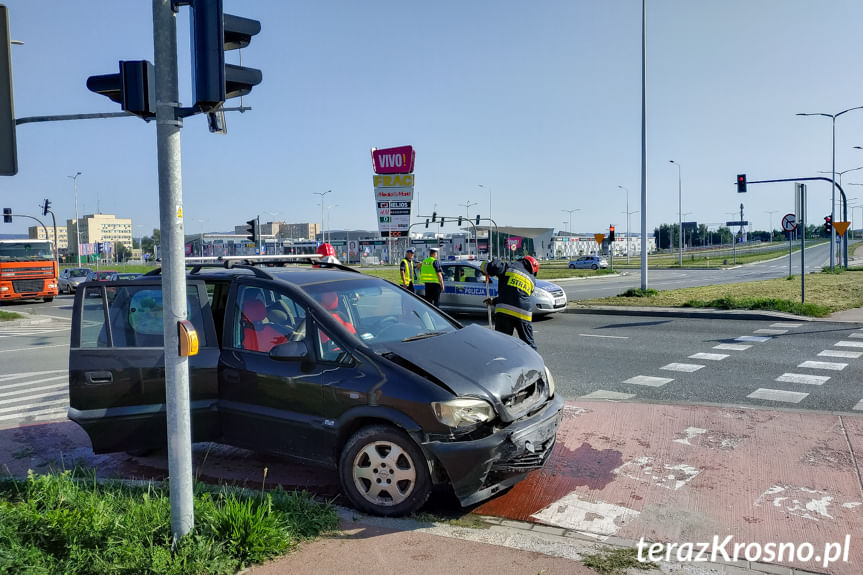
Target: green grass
(616,561)
(70,523)
(9,316)
(826,292)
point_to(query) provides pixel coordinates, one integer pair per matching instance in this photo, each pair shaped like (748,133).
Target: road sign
(841,227)
(599,238)
(738,223)
(789,222)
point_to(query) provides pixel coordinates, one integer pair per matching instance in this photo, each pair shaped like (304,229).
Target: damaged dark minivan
(327,366)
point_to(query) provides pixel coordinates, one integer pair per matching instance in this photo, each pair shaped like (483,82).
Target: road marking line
(44,403)
(596,518)
(855,334)
(785,324)
(62,387)
(648,380)
(771,331)
(33,348)
(26,383)
(732,346)
(777,395)
(709,356)
(604,394)
(686,367)
(834,366)
(849,344)
(606,336)
(859,406)
(841,353)
(33,413)
(753,338)
(803,378)
(9,376)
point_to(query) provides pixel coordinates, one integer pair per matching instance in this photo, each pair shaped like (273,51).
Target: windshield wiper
(424,335)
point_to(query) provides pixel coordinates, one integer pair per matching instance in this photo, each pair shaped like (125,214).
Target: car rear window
(134,317)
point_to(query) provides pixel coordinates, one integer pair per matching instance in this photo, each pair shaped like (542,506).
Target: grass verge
(73,524)
(616,561)
(9,316)
(826,292)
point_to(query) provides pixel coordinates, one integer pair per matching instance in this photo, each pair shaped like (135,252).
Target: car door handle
(99,377)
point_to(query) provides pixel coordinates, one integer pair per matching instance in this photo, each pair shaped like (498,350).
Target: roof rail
(250,263)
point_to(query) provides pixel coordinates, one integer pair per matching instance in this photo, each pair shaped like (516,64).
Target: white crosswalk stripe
(34,396)
(604,394)
(685,367)
(803,378)
(753,338)
(778,395)
(771,331)
(849,344)
(833,366)
(709,356)
(785,324)
(841,353)
(648,380)
(859,406)
(732,346)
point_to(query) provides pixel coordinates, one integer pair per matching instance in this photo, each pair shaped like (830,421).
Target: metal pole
(679,215)
(803,243)
(173,267)
(643,145)
(833,200)
(77,221)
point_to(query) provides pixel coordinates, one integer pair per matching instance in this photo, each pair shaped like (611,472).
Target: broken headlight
(463,412)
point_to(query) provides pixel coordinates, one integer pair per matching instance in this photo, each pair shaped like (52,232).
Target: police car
(465,290)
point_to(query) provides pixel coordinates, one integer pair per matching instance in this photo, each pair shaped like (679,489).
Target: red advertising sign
(398,160)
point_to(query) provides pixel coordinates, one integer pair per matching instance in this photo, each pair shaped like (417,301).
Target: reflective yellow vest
(428,275)
(411,273)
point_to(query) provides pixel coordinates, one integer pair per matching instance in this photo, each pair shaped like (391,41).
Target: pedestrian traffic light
(212,33)
(611,233)
(741,183)
(459,221)
(7,215)
(8,145)
(134,87)
(253,230)
(46,207)
(828,225)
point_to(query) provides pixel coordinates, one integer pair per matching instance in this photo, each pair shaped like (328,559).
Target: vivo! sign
(393,160)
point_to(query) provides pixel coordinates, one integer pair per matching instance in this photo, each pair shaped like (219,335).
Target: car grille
(25,286)
(556,293)
(527,461)
(524,399)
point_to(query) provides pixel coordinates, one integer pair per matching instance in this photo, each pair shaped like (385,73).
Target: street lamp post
(569,227)
(679,214)
(77,222)
(770,213)
(627,221)
(833,179)
(322,195)
(467,206)
(490,245)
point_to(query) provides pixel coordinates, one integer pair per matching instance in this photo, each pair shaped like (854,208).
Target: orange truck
(28,270)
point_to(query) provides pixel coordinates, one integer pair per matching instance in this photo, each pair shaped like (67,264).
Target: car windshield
(79,273)
(379,311)
(24,251)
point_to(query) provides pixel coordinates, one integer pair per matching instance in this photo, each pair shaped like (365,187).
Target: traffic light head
(7,215)
(441,221)
(828,224)
(477,219)
(434,216)
(252,230)
(427,222)
(134,87)
(741,183)
(459,220)
(611,233)
(46,207)
(213,32)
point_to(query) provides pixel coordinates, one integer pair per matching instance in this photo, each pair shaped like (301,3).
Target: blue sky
(540,102)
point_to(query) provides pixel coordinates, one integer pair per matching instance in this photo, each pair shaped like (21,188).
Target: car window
(472,275)
(379,311)
(448,273)
(134,317)
(77,273)
(265,318)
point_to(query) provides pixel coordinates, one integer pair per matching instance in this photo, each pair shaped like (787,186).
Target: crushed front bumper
(481,468)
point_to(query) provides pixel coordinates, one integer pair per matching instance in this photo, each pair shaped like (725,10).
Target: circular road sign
(789,222)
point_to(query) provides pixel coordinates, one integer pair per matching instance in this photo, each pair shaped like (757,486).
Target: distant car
(464,290)
(102,276)
(127,276)
(70,278)
(588,263)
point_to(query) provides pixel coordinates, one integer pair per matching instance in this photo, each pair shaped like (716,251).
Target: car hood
(547,286)
(475,361)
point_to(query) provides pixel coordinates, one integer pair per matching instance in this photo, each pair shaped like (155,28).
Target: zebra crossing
(35,396)
(31,330)
(816,371)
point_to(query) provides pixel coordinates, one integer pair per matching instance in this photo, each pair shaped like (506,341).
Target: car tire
(593,267)
(48,299)
(571,266)
(383,472)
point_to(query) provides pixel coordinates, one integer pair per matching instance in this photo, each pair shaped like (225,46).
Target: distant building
(38,233)
(100,228)
(283,230)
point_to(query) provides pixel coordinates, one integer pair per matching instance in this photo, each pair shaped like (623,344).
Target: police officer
(407,270)
(513,304)
(432,276)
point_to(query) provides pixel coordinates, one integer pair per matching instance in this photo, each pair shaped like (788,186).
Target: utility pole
(177,401)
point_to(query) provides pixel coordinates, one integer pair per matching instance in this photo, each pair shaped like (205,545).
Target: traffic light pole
(177,401)
(844,208)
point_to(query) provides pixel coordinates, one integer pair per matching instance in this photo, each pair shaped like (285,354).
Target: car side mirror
(290,351)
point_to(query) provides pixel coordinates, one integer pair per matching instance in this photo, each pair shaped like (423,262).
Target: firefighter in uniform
(408,273)
(432,276)
(513,304)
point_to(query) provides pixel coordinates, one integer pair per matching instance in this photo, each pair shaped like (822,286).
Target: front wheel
(593,267)
(571,266)
(48,299)
(383,472)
